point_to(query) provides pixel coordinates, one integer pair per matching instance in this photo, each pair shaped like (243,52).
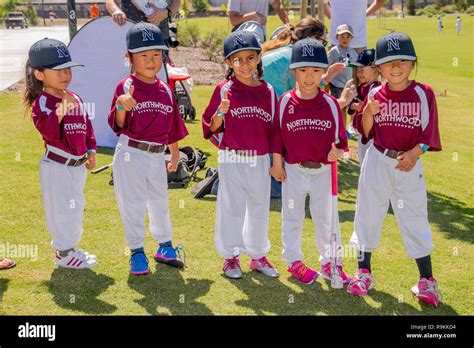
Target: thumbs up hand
(224,106)
(126,100)
(373,106)
(335,153)
(68,103)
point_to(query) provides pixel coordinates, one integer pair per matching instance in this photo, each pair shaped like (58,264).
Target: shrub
(212,44)
(429,11)
(31,15)
(448,9)
(189,35)
(200,6)
(470,10)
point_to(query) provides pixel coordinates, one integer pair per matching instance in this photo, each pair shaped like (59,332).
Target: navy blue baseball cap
(278,31)
(240,40)
(144,36)
(394,46)
(308,52)
(50,54)
(255,28)
(365,58)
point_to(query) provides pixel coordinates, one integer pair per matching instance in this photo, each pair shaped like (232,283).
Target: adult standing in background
(241,11)
(353,13)
(120,10)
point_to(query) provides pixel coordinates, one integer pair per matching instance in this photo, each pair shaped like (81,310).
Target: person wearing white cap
(353,13)
(342,53)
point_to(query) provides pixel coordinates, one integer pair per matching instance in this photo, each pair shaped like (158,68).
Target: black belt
(389,153)
(146,146)
(67,161)
(310,165)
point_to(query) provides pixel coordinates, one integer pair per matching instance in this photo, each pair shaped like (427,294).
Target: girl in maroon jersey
(61,118)
(402,119)
(239,116)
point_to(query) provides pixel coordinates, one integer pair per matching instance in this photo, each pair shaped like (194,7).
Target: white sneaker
(76,259)
(352,132)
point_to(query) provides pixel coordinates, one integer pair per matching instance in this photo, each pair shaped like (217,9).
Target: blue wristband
(120,108)
(90,150)
(424,147)
(219,113)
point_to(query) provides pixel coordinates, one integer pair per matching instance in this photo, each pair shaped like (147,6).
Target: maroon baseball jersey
(74,134)
(304,130)
(248,124)
(362,92)
(406,118)
(156,116)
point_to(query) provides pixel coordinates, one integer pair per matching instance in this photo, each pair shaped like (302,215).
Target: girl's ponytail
(33,86)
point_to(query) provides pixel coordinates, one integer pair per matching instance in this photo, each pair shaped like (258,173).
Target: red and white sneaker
(302,272)
(326,273)
(427,291)
(76,259)
(362,282)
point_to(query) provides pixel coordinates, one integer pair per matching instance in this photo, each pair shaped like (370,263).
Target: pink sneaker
(326,273)
(362,282)
(262,265)
(232,268)
(427,291)
(303,273)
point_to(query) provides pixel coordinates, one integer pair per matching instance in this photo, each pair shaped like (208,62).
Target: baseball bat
(336,279)
(101,169)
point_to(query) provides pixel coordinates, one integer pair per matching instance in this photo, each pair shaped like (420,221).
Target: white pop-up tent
(101,46)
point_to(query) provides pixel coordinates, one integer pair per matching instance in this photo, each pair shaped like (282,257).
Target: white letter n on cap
(238,40)
(393,44)
(147,34)
(308,50)
(62,52)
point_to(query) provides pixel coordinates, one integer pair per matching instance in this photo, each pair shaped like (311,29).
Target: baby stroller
(178,85)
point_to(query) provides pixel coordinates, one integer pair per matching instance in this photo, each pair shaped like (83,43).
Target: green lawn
(37,287)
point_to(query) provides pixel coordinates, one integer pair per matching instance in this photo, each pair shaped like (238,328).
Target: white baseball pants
(62,188)
(362,148)
(299,183)
(243,205)
(380,184)
(141,182)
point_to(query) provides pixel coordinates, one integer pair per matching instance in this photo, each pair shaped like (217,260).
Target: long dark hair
(33,86)
(230,72)
(307,27)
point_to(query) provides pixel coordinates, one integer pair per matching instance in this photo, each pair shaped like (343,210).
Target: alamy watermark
(15,251)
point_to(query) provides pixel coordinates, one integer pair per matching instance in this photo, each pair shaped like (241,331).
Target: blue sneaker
(169,255)
(139,262)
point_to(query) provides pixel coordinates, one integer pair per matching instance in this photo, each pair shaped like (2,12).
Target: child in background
(342,53)
(367,78)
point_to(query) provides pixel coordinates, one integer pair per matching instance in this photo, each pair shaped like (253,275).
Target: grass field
(37,287)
